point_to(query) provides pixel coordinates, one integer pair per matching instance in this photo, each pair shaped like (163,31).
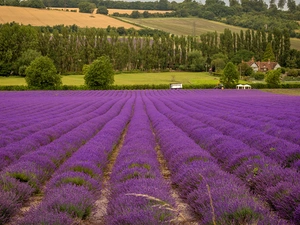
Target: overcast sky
(202,1)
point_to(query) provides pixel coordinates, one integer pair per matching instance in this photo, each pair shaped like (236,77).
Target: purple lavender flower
(43,216)
(8,205)
(76,200)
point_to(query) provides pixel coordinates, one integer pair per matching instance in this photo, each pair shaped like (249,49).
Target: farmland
(44,17)
(129,11)
(192,26)
(149,157)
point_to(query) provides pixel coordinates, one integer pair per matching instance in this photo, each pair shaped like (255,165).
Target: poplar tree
(268,54)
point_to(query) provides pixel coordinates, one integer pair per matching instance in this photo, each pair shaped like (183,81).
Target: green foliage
(42,73)
(242,55)
(268,54)
(245,69)
(100,73)
(26,177)
(5,68)
(86,7)
(84,170)
(140,165)
(195,61)
(258,76)
(85,68)
(230,75)
(240,216)
(33,4)
(25,59)
(273,77)
(75,210)
(102,10)
(293,73)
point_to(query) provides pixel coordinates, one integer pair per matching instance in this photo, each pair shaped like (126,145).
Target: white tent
(243,86)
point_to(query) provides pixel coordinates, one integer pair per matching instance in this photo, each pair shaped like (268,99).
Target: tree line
(70,48)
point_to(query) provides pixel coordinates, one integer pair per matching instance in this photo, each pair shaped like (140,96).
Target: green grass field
(283,91)
(191,26)
(149,78)
(184,26)
(133,78)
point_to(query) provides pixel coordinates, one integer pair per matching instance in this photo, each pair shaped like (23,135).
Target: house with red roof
(263,66)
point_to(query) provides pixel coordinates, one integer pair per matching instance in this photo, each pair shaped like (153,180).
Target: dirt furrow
(100,211)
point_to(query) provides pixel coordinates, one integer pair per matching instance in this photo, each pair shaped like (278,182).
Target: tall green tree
(41,73)
(268,55)
(230,75)
(100,73)
(291,4)
(281,4)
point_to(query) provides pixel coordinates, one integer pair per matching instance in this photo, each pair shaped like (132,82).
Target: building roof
(263,66)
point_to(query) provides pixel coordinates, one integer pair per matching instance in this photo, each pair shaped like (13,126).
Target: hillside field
(191,26)
(129,11)
(45,17)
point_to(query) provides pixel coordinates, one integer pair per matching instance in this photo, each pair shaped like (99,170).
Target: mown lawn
(7,81)
(292,91)
(133,78)
(165,78)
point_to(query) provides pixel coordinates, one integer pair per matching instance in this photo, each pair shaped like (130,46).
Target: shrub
(273,77)
(258,76)
(42,73)
(99,74)
(293,73)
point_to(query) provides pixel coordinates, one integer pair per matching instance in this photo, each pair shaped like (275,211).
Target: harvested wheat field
(129,11)
(44,17)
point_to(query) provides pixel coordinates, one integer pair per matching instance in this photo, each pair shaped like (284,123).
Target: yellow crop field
(129,11)
(44,17)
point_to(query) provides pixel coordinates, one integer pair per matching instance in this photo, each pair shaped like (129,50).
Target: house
(263,66)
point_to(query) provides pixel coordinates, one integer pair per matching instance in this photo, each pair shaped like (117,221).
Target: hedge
(144,87)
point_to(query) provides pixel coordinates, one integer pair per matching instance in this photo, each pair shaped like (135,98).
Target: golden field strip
(45,17)
(129,11)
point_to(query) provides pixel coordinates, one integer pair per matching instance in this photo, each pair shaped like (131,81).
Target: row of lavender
(27,167)
(215,196)
(139,194)
(74,187)
(247,153)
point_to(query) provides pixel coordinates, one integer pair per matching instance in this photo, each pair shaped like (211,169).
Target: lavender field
(149,157)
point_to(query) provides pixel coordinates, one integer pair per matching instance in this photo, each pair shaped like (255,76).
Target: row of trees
(70,49)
